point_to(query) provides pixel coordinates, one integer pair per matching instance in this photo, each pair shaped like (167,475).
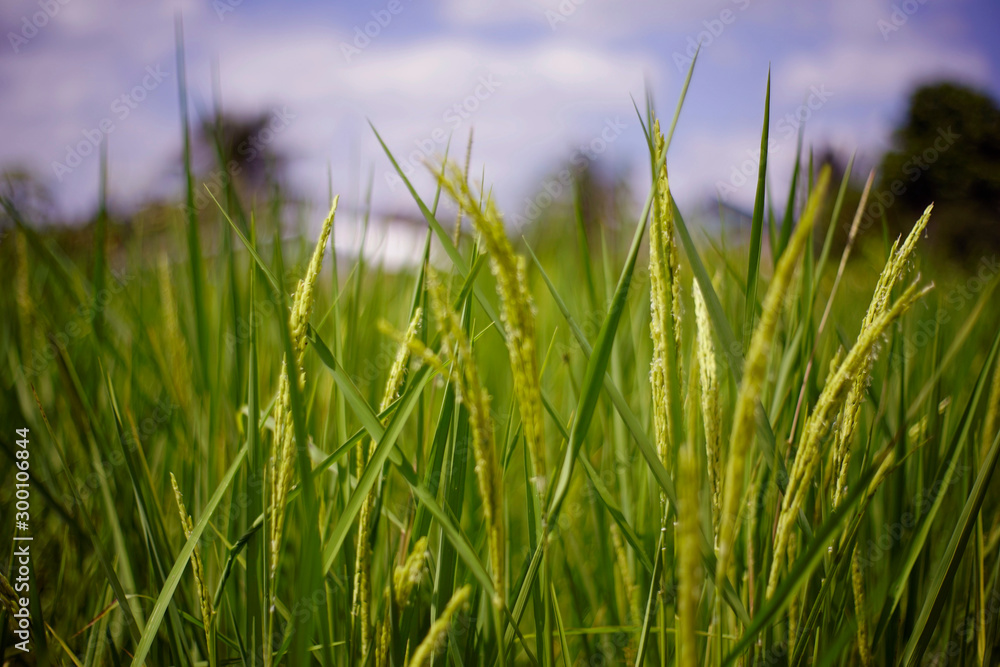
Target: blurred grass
(148,363)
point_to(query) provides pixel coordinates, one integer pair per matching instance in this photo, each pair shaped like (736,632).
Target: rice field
(627,444)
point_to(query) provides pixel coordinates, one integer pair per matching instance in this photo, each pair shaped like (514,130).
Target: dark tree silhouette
(242,146)
(947,151)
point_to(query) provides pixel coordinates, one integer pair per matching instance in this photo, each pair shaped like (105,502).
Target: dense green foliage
(132,366)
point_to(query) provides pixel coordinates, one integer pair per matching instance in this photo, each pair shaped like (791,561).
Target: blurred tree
(241,147)
(235,157)
(947,151)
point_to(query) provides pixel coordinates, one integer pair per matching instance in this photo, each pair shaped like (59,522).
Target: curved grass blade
(384,436)
(940,587)
(311,543)
(947,465)
(174,577)
(606,498)
(648,617)
(803,568)
(560,627)
(731,349)
(629,417)
(597,366)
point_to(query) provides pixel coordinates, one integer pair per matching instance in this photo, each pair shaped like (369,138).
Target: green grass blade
(757,225)
(786,221)
(803,568)
(948,466)
(384,450)
(650,615)
(560,626)
(191,214)
(177,571)
(311,548)
(597,366)
(940,587)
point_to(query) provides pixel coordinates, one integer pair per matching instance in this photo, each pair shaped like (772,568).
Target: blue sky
(537,79)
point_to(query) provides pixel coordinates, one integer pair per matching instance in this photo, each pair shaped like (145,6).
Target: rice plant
(255,457)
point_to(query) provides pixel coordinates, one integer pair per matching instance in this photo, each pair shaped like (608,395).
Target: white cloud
(525,104)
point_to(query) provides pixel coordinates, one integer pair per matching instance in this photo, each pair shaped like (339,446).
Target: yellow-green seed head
(437,636)
(407,577)
(894,269)
(665,308)
(283,452)
(477,402)
(830,400)
(708,379)
(362,562)
(196,565)
(516,310)
(754,370)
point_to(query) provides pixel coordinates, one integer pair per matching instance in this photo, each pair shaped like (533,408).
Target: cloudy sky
(540,81)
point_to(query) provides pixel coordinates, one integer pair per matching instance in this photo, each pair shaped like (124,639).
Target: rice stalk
(860,610)
(207,612)
(177,351)
(830,399)
(689,572)
(283,453)
(891,273)
(437,636)
(407,577)
(754,370)
(899,258)
(629,603)
(665,310)
(366,519)
(517,312)
(795,606)
(384,643)
(470,392)
(708,382)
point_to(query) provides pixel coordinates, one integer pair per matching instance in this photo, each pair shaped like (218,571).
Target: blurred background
(281,95)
